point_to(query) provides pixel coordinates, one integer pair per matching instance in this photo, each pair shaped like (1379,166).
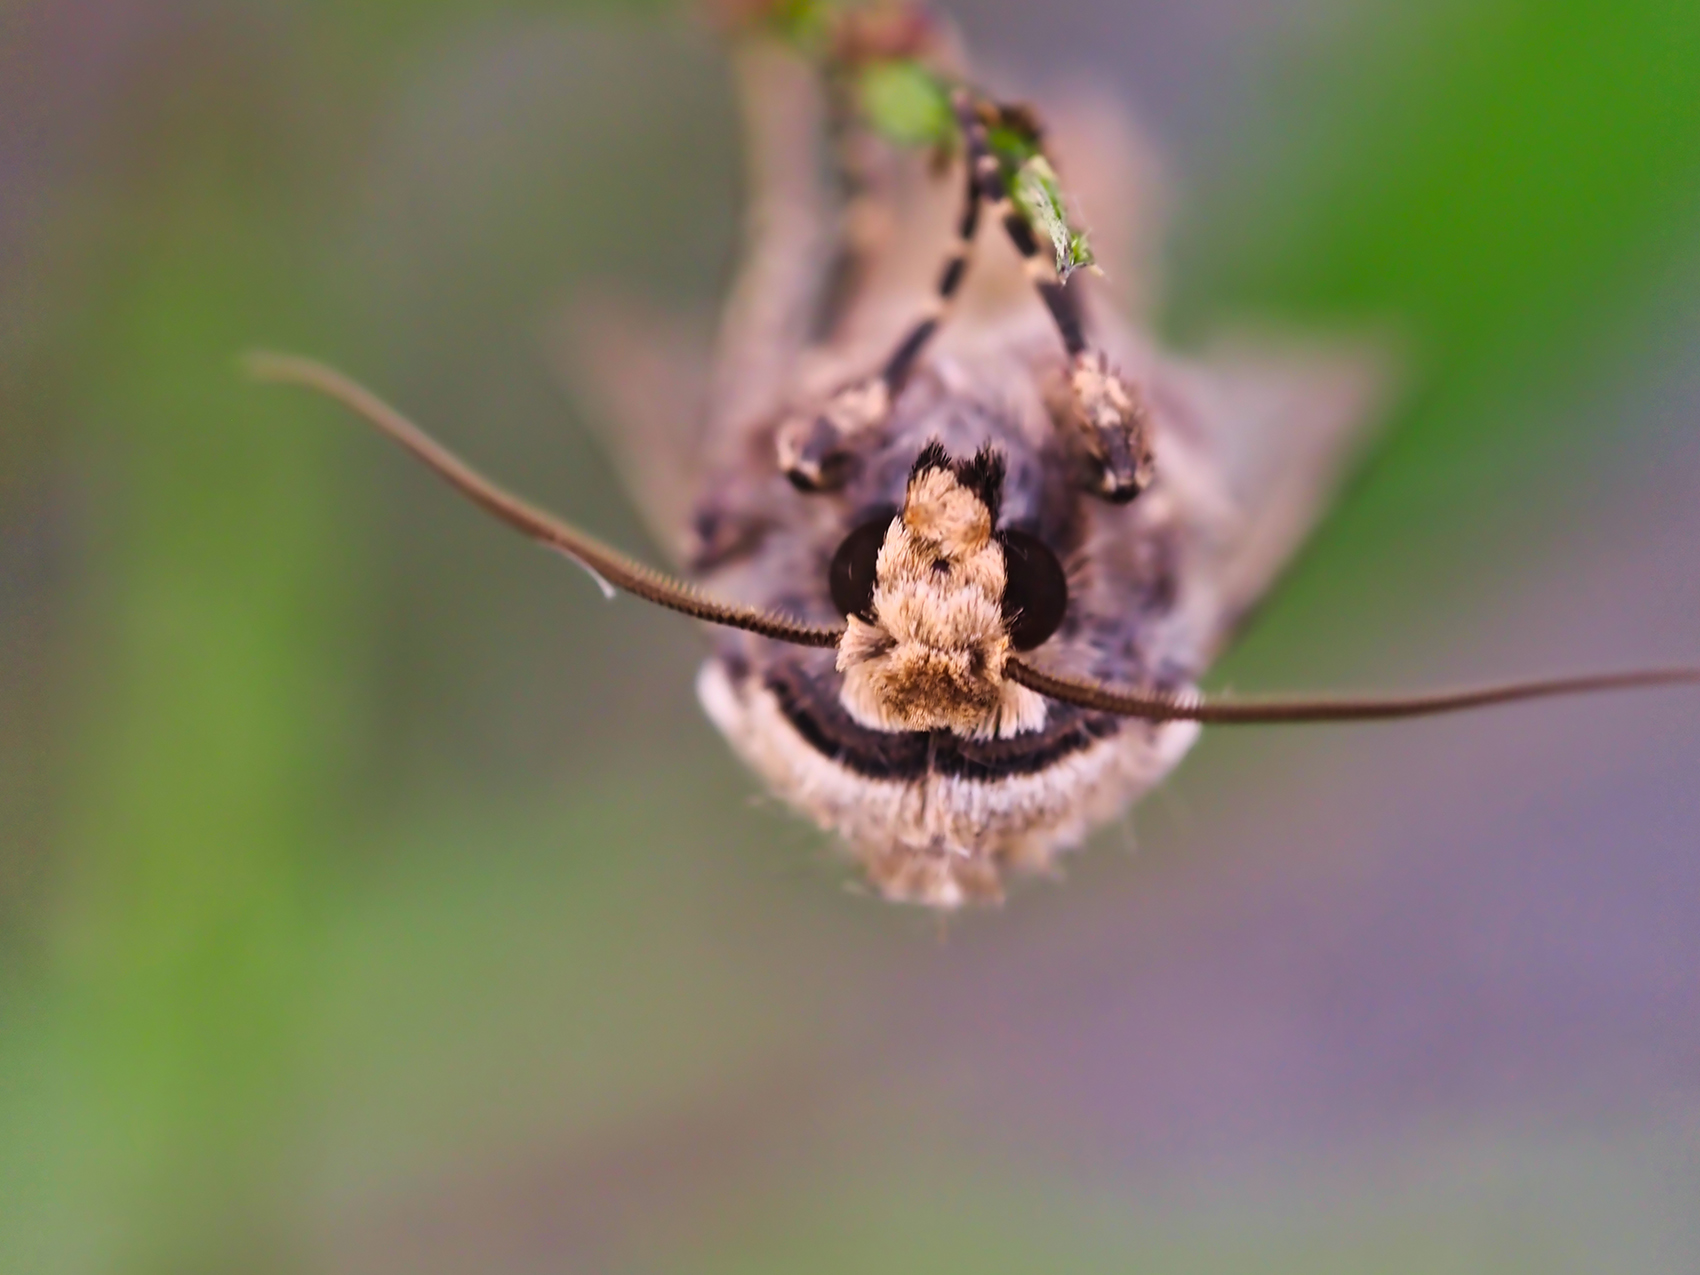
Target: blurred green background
(373,898)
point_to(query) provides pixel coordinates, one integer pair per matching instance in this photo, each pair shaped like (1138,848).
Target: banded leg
(904,357)
(815,449)
(1112,417)
(988,175)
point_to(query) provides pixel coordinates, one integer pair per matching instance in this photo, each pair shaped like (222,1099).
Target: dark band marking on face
(809,702)
(824,725)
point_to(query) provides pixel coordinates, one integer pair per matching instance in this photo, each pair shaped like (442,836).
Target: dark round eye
(852,574)
(1036,594)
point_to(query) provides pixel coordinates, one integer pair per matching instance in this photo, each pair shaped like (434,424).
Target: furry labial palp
(965,537)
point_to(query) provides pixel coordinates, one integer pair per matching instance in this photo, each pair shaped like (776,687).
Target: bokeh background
(374,899)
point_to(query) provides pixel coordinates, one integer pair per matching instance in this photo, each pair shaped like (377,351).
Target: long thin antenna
(1158,706)
(606,563)
(622,572)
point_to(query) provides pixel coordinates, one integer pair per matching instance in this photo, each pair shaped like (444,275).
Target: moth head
(936,599)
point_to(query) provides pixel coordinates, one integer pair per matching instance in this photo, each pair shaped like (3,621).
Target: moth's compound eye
(1036,594)
(853,571)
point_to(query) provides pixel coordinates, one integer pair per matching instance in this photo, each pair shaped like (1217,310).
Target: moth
(964,537)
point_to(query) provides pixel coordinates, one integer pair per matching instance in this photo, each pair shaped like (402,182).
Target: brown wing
(668,402)
(642,378)
(788,239)
(1278,424)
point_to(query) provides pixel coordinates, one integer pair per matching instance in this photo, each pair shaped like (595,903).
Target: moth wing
(1280,423)
(642,378)
(668,403)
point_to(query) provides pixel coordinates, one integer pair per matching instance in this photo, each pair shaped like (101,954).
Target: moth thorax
(933,656)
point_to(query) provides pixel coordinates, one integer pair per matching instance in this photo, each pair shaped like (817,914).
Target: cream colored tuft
(933,659)
(945,517)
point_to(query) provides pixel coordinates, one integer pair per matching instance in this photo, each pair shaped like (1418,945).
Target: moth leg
(1116,174)
(766,322)
(1112,419)
(816,449)
(987,173)
(870,168)
(865,215)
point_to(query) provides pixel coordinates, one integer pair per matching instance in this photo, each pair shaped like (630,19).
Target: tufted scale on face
(935,600)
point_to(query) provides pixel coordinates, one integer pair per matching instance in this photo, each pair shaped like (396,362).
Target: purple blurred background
(372,897)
